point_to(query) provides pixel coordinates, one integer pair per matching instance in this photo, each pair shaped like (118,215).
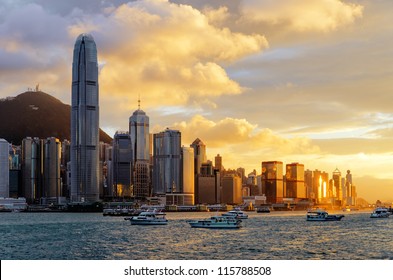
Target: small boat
(236,213)
(321,215)
(149,218)
(263,210)
(220,222)
(380,213)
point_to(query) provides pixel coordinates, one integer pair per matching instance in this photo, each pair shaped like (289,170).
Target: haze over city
(297,81)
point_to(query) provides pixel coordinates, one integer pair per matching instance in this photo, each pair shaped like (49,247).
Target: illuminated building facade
(272,181)
(231,189)
(294,176)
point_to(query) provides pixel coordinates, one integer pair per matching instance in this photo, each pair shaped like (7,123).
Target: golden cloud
(168,53)
(302,15)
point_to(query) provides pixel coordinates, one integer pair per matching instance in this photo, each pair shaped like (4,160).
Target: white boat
(220,222)
(149,218)
(380,213)
(236,213)
(321,215)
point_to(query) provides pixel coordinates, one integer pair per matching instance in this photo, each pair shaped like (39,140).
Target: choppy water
(279,236)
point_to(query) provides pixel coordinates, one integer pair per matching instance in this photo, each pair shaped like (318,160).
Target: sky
(256,80)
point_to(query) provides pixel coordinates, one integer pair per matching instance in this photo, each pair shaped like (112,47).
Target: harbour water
(274,236)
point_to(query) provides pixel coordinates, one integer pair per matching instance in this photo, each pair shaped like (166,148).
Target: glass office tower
(84,121)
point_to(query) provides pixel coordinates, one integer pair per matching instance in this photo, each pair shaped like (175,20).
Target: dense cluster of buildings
(144,167)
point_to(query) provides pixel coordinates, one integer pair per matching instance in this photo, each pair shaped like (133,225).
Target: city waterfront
(274,236)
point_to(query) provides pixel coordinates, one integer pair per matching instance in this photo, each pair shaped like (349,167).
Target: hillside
(36,114)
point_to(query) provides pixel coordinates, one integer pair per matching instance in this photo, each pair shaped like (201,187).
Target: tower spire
(139,101)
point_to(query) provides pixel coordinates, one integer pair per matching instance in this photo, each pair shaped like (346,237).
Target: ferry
(321,215)
(236,213)
(217,222)
(149,218)
(380,213)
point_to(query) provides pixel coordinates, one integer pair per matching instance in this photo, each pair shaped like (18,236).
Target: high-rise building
(199,158)
(4,168)
(84,121)
(139,131)
(32,168)
(337,188)
(272,181)
(140,140)
(218,162)
(295,181)
(321,190)
(231,189)
(167,162)
(199,154)
(308,182)
(52,161)
(188,170)
(122,164)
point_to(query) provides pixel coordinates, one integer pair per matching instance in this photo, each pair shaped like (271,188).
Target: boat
(217,222)
(321,215)
(120,212)
(380,213)
(149,218)
(236,213)
(263,210)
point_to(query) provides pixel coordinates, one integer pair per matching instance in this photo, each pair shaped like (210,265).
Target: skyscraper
(167,162)
(272,181)
(140,140)
(4,168)
(52,159)
(84,121)
(139,131)
(32,168)
(295,181)
(122,164)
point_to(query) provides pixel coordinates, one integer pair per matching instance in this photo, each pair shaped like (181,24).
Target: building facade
(122,165)
(85,121)
(52,163)
(140,141)
(294,176)
(167,162)
(32,169)
(231,189)
(272,181)
(4,169)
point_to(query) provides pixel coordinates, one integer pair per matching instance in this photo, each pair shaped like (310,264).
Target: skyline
(277,79)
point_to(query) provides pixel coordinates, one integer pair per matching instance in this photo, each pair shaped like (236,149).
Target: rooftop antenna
(139,101)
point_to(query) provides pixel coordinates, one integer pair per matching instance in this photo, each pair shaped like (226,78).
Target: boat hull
(148,223)
(326,219)
(214,226)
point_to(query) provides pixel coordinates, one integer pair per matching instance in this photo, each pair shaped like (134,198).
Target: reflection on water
(281,236)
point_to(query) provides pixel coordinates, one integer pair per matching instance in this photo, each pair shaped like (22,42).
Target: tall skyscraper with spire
(84,121)
(140,141)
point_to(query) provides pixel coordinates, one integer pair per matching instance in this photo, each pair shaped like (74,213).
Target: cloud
(168,53)
(302,15)
(230,134)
